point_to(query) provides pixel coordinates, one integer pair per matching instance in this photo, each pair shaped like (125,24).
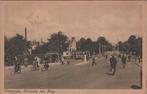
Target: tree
(102,40)
(81,44)
(14,47)
(57,42)
(132,46)
(93,46)
(85,44)
(41,49)
(103,44)
(139,47)
(132,39)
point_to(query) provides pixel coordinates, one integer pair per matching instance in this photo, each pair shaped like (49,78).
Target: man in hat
(113,63)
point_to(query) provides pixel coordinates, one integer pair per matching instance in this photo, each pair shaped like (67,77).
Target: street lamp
(99,48)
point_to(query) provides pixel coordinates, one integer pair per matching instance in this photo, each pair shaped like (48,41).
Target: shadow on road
(136,87)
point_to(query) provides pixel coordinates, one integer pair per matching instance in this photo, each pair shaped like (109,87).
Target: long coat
(113,62)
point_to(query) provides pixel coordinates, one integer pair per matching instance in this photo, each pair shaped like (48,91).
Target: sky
(115,22)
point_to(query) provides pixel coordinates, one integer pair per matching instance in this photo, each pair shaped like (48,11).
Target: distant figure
(62,60)
(34,64)
(46,66)
(85,58)
(56,60)
(37,60)
(106,56)
(119,56)
(17,66)
(25,61)
(113,63)
(93,61)
(123,59)
(139,59)
(129,58)
(68,62)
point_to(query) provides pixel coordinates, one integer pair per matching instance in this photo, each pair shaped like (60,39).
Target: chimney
(25,33)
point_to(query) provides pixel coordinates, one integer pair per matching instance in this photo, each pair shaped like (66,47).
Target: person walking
(46,66)
(34,65)
(17,66)
(25,61)
(139,59)
(37,61)
(62,60)
(119,55)
(123,59)
(68,60)
(113,63)
(93,61)
(106,56)
(129,58)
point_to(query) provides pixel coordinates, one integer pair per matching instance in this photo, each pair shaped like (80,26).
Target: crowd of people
(44,63)
(113,59)
(37,63)
(124,59)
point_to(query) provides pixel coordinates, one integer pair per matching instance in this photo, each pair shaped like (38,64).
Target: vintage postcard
(73,47)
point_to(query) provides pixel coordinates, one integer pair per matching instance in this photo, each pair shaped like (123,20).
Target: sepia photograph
(73,45)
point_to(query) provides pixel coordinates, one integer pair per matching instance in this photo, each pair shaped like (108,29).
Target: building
(34,45)
(71,48)
(72,51)
(72,45)
(67,54)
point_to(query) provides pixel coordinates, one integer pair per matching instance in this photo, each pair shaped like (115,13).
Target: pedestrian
(106,56)
(68,62)
(123,59)
(25,61)
(46,66)
(93,61)
(62,60)
(34,64)
(113,63)
(119,56)
(139,59)
(129,58)
(17,66)
(37,61)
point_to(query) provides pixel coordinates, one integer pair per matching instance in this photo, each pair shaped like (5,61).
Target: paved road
(77,75)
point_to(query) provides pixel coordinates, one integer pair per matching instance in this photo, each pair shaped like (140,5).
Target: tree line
(58,42)
(132,46)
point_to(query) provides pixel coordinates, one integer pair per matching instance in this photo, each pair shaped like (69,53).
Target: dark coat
(113,62)
(124,59)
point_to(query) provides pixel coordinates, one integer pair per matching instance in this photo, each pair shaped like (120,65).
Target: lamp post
(25,51)
(59,45)
(99,48)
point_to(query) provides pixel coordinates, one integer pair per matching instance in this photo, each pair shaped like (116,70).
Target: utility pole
(25,33)
(59,46)
(25,51)
(99,48)
(25,40)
